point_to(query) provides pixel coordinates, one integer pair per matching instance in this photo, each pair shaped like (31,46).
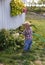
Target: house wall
(6,21)
(0,14)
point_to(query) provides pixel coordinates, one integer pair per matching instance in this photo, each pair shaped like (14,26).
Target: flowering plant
(17,7)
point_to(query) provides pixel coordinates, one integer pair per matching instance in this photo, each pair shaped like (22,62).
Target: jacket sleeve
(22,32)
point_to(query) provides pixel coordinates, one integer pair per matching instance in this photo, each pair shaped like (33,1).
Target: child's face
(27,26)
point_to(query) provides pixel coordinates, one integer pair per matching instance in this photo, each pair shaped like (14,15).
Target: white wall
(0,14)
(6,21)
(25,1)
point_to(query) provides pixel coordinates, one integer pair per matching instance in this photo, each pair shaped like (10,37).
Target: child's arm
(22,32)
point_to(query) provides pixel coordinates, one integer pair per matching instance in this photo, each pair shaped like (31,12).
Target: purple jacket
(28,33)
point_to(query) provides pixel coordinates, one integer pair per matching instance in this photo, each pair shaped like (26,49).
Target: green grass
(17,57)
(40,24)
(37,53)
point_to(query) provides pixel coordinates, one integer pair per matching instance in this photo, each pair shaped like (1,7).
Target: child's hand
(20,32)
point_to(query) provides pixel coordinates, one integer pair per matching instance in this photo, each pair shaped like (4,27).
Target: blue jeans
(27,44)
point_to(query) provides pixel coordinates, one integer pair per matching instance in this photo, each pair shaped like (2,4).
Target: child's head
(27,25)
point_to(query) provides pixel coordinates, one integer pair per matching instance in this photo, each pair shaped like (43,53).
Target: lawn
(37,54)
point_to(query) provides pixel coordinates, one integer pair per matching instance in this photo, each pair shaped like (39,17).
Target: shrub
(9,40)
(6,39)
